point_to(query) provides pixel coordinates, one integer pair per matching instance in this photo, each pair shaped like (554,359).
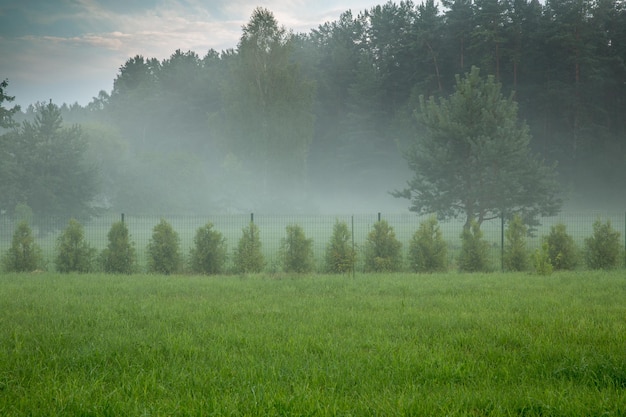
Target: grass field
(389,345)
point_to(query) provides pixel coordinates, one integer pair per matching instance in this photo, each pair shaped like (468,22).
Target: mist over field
(319,122)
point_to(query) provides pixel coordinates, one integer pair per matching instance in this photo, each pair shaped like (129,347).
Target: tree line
(333,109)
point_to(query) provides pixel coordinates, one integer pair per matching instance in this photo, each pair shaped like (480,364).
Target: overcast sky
(69,50)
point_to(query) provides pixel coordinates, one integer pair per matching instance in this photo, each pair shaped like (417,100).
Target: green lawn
(448,344)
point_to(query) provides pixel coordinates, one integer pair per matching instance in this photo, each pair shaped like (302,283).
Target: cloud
(55,48)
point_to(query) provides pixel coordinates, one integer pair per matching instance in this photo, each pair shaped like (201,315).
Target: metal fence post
(251,217)
(502,240)
(122,217)
(353,251)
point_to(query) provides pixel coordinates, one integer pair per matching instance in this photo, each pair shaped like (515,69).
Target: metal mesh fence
(319,228)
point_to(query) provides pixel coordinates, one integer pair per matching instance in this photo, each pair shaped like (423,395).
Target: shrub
(603,248)
(164,250)
(73,253)
(24,255)
(340,255)
(23,213)
(474,255)
(382,249)
(427,250)
(561,248)
(541,260)
(248,256)
(296,251)
(208,255)
(119,257)
(515,253)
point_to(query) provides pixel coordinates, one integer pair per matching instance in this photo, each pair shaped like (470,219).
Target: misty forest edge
(330,113)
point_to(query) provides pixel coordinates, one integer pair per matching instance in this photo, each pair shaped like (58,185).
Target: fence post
(502,240)
(251,217)
(353,251)
(379,216)
(122,217)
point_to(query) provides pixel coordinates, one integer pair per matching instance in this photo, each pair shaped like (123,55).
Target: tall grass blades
(603,249)
(495,345)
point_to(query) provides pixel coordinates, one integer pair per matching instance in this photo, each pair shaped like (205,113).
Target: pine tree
(475,158)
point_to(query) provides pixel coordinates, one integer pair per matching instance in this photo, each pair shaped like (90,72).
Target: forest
(319,121)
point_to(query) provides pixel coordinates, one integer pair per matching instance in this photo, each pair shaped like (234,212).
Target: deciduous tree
(268,120)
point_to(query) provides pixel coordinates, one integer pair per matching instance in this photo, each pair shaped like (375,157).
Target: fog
(321,125)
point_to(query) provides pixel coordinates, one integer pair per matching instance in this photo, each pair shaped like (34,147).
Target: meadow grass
(392,345)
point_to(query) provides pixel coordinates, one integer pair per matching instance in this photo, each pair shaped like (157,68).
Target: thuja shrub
(24,255)
(428,251)
(74,254)
(296,251)
(474,256)
(248,258)
(561,248)
(515,253)
(541,260)
(603,248)
(340,255)
(208,255)
(164,255)
(382,249)
(119,257)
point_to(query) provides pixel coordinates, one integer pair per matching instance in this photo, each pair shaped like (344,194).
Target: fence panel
(317,227)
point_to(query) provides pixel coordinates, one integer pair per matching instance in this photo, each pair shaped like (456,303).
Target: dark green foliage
(24,255)
(74,254)
(296,251)
(541,260)
(47,169)
(266,118)
(515,252)
(603,248)
(428,251)
(474,255)
(208,255)
(340,255)
(6,115)
(474,157)
(342,96)
(119,257)
(248,256)
(164,250)
(561,248)
(382,249)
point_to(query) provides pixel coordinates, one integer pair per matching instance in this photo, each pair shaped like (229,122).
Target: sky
(68,51)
